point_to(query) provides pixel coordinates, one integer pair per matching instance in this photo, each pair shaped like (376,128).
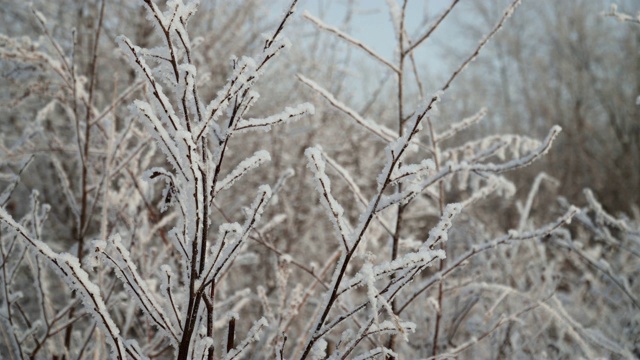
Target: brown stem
(436,152)
(401,208)
(209,302)
(231,334)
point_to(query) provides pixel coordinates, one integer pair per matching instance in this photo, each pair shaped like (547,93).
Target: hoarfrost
(334,210)
(252,336)
(250,163)
(319,350)
(289,114)
(377,129)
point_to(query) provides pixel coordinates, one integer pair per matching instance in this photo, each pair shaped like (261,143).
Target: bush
(406,254)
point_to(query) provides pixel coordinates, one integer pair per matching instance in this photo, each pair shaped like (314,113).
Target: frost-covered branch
(289,114)
(323,186)
(379,130)
(427,34)
(118,257)
(350,40)
(70,270)
(621,16)
(463,124)
(505,239)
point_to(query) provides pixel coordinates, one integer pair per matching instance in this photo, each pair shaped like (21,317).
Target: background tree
(565,63)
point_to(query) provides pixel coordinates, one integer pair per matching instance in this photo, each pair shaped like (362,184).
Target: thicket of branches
(561,64)
(164,198)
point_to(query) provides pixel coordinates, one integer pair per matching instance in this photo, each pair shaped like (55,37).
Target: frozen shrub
(181,245)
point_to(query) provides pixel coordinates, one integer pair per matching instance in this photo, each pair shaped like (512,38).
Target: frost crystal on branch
(245,166)
(118,257)
(252,336)
(323,187)
(197,260)
(379,130)
(69,269)
(409,173)
(439,232)
(289,114)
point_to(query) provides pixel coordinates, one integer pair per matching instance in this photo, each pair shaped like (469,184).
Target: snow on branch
(510,237)
(381,131)
(165,289)
(344,173)
(172,24)
(620,16)
(190,102)
(377,353)
(399,198)
(408,266)
(228,234)
(68,267)
(269,53)
(167,112)
(114,254)
(289,114)
(464,166)
(323,186)
(389,327)
(440,232)
(602,217)
(246,165)
(495,145)
(408,262)
(252,336)
(350,40)
(243,76)
(370,328)
(238,235)
(269,42)
(412,172)
(424,256)
(246,72)
(525,160)
(525,209)
(459,126)
(257,208)
(163,138)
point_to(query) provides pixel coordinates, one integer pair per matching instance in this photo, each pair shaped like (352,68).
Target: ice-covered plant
(180,236)
(401,181)
(193,134)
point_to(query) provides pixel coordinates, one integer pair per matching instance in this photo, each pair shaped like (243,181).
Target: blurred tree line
(566,63)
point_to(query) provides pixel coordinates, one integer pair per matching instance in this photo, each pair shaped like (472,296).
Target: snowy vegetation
(163,198)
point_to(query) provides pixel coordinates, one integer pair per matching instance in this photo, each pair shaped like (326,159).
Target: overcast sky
(371,24)
(371,19)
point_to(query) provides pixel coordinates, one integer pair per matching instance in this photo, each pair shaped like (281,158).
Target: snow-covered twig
(323,186)
(350,40)
(70,270)
(381,131)
(620,16)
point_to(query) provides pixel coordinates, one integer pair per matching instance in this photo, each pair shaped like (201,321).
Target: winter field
(184,179)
